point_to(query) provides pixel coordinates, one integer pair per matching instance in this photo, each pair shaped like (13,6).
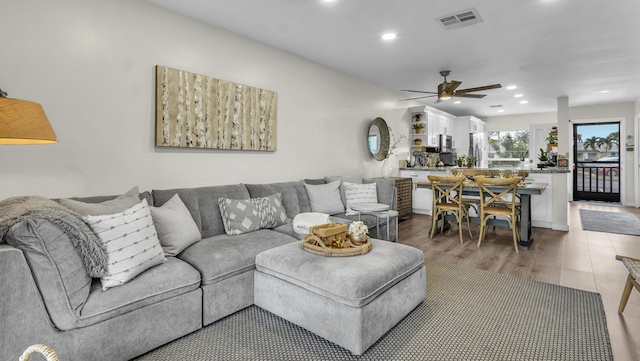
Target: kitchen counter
(549,170)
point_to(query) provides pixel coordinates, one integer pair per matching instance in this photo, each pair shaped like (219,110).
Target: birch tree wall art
(195,111)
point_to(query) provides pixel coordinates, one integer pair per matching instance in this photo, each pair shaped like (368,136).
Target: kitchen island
(548,210)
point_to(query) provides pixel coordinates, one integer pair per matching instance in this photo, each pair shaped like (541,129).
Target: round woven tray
(314,244)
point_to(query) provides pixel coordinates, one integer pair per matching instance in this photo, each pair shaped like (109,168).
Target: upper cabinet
(426,125)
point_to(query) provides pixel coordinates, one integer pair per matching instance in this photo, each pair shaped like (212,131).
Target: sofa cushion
(325,198)
(170,279)
(386,189)
(247,215)
(294,195)
(115,205)
(56,267)
(131,243)
(315,181)
(220,257)
(176,228)
(203,204)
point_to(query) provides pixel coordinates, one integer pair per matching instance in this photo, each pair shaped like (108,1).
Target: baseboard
(560,227)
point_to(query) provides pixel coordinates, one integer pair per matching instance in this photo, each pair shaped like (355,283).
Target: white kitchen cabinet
(542,204)
(437,122)
(422,198)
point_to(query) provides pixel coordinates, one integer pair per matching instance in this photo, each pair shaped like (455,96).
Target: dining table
(525,190)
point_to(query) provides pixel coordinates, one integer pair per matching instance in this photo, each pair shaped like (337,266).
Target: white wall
(91,65)
(519,121)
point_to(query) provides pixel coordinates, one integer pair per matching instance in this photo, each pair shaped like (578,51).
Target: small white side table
(378,210)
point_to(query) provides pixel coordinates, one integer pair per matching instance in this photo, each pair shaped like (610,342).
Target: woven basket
(43,349)
(332,240)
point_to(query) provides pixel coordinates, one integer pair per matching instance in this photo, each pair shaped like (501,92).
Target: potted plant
(418,127)
(552,139)
(417,141)
(460,160)
(418,117)
(471,160)
(543,157)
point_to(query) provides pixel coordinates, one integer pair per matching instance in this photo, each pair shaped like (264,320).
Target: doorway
(596,150)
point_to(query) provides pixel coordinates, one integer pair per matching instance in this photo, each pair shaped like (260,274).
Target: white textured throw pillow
(176,228)
(359,193)
(325,198)
(130,241)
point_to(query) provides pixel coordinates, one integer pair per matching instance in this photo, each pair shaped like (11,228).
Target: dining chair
(633,266)
(472,201)
(447,198)
(494,204)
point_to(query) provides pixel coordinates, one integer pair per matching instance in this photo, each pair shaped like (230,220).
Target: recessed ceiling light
(605,91)
(518,95)
(328,1)
(511,87)
(388,36)
(500,110)
(524,102)
(457,102)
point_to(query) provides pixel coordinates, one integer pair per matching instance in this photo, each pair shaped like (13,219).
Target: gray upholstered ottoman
(351,301)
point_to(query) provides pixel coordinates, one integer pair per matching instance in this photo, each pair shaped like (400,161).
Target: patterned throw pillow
(131,242)
(359,193)
(246,215)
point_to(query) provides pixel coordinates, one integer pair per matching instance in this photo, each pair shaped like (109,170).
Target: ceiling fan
(447,90)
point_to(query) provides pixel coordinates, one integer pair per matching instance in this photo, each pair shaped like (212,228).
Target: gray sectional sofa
(47,297)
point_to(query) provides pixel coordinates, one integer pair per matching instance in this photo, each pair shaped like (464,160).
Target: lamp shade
(24,122)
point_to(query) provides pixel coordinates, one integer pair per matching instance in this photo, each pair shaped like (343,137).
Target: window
(508,147)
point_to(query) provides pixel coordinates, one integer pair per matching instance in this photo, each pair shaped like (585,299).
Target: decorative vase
(417,141)
(418,130)
(357,238)
(386,168)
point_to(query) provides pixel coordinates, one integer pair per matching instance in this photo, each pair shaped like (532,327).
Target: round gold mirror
(378,139)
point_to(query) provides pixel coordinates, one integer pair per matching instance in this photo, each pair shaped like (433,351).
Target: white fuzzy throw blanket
(17,209)
(303,221)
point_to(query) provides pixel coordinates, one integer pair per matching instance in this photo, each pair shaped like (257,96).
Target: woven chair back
(489,197)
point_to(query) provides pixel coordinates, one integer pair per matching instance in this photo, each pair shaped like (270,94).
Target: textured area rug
(610,222)
(468,315)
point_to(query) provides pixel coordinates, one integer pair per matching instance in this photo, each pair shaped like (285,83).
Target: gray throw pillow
(116,205)
(325,198)
(356,179)
(176,228)
(246,215)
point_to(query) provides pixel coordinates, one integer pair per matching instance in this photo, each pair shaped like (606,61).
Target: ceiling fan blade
(476,96)
(426,96)
(480,88)
(451,86)
(418,91)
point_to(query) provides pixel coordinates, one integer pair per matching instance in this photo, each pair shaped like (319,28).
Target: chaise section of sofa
(156,307)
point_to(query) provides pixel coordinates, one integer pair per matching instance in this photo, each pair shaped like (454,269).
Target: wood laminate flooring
(578,259)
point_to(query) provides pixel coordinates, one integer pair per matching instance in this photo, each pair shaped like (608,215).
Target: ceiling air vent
(496,106)
(460,19)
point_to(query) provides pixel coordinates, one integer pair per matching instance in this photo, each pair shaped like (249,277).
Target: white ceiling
(548,48)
